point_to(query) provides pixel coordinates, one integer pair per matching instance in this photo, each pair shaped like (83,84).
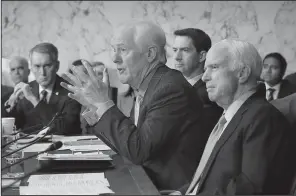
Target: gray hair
(46,48)
(243,54)
(147,34)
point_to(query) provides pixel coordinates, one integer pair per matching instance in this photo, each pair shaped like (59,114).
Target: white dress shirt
(276,90)
(193,80)
(48,90)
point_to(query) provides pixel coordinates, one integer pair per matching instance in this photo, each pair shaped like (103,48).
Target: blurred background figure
(190,49)
(273,71)
(19,69)
(291,78)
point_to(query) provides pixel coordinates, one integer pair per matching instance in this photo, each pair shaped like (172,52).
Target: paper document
(66,184)
(73,138)
(76,156)
(85,147)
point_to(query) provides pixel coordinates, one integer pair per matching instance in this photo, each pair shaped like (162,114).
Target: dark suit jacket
(26,115)
(169,140)
(291,78)
(6,91)
(254,155)
(287,106)
(212,112)
(286,88)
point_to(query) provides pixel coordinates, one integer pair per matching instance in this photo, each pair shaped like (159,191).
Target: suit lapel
(198,84)
(54,98)
(35,88)
(229,130)
(151,87)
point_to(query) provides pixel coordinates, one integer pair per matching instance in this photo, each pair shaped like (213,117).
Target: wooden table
(125,179)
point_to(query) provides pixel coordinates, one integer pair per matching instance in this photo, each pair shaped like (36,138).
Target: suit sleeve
(264,151)
(163,120)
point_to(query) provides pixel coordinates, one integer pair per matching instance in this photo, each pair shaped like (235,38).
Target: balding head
(19,69)
(137,47)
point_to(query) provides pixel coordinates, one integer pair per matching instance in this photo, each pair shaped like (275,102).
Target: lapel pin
(57,93)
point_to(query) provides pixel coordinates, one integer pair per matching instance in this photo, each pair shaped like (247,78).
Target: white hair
(147,34)
(243,54)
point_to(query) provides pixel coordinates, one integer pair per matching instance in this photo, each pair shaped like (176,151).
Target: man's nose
(206,76)
(177,55)
(42,71)
(116,58)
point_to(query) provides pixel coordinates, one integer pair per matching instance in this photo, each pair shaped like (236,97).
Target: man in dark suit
(273,71)
(44,97)
(164,133)
(190,48)
(250,151)
(291,78)
(287,106)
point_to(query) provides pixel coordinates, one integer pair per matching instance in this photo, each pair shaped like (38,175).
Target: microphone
(22,137)
(52,147)
(30,144)
(55,117)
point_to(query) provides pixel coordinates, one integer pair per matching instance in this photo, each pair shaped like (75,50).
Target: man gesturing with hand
(164,132)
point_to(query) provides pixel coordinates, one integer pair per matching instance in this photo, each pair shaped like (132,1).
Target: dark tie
(270,94)
(43,96)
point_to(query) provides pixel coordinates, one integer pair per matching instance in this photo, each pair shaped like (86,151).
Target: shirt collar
(193,80)
(235,106)
(145,82)
(275,87)
(49,89)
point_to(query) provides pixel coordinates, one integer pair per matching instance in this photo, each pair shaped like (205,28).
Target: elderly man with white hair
(250,151)
(165,132)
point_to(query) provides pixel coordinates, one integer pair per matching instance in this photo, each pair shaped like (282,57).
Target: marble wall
(82,29)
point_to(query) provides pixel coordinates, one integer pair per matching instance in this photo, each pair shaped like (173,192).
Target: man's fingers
(75,97)
(71,79)
(69,87)
(89,69)
(106,77)
(79,74)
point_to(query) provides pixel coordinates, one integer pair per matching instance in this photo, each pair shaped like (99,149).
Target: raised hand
(86,88)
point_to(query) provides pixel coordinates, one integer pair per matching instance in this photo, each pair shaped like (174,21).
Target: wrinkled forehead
(122,36)
(17,63)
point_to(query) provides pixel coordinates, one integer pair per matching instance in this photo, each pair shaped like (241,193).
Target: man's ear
(244,74)
(151,54)
(202,56)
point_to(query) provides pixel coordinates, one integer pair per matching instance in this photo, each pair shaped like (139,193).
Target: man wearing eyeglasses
(37,103)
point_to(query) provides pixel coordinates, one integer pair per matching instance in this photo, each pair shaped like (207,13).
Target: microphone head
(55,146)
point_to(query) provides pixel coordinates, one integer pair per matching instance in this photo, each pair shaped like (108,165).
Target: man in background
(273,71)
(19,70)
(165,132)
(40,100)
(190,48)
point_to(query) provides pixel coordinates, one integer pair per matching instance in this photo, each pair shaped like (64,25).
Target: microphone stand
(37,139)
(52,147)
(56,116)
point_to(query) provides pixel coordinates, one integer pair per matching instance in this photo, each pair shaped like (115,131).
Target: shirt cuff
(93,115)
